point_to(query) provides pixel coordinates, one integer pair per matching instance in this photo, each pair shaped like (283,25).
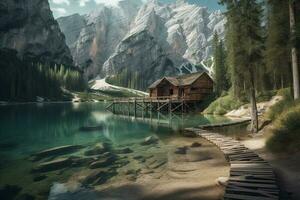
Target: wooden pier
(251,177)
(131,106)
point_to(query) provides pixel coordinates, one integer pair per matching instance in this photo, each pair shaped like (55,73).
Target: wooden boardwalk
(251,178)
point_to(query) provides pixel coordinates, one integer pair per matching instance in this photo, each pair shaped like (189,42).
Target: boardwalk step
(251,177)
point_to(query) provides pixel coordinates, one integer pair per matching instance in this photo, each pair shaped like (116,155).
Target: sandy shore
(186,176)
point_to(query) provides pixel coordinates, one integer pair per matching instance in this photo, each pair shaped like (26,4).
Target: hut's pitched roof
(182,80)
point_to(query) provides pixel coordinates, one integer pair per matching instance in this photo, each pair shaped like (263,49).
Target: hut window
(194,89)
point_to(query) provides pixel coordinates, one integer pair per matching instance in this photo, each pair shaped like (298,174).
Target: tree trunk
(295,68)
(254,115)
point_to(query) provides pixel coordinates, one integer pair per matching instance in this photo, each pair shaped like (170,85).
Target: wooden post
(134,107)
(128,107)
(114,109)
(170,106)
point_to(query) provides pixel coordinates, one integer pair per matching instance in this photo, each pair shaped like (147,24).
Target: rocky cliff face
(93,38)
(153,38)
(182,33)
(30,29)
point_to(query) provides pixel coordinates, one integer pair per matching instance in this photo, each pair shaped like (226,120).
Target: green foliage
(277,56)
(220,74)
(286,131)
(23,80)
(244,44)
(223,105)
(129,79)
(277,109)
(89,96)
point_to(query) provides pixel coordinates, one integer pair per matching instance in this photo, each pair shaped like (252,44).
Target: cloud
(83,2)
(61,2)
(59,11)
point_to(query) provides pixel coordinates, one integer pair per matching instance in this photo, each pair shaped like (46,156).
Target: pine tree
(220,75)
(294,54)
(245,45)
(277,47)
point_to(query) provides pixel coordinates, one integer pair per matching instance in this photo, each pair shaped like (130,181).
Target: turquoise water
(27,129)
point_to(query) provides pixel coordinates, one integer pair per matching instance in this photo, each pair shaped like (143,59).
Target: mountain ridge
(169,32)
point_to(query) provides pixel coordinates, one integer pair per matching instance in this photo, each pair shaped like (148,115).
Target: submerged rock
(99,148)
(97,177)
(91,128)
(139,158)
(181,150)
(150,140)
(103,162)
(189,134)
(56,151)
(120,163)
(79,161)
(9,191)
(53,165)
(196,144)
(123,151)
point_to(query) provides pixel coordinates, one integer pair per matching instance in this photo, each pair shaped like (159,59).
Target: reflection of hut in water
(193,87)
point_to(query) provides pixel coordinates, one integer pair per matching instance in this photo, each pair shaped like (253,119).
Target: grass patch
(223,105)
(282,105)
(286,131)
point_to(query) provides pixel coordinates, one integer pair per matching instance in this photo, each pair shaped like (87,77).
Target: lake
(31,128)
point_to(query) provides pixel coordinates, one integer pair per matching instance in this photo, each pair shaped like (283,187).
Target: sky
(68,7)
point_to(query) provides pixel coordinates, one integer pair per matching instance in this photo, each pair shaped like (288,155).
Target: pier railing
(154,99)
(160,104)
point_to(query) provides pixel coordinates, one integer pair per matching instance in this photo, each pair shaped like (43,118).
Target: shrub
(286,132)
(223,105)
(282,105)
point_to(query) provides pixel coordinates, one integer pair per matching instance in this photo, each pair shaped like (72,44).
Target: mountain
(157,39)
(29,28)
(92,38)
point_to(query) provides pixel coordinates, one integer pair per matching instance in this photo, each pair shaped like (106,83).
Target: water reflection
(25,129)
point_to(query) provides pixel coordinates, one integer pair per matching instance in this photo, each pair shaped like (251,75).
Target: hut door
(181,92)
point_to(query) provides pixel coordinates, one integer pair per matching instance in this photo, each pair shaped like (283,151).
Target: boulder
(56,151)
(53,165)
(150,140)
(196,144)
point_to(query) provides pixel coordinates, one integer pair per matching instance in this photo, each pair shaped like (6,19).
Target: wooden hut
(192,87)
